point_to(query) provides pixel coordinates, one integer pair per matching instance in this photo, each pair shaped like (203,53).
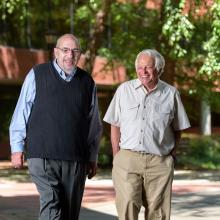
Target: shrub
(105,153)
(201,153)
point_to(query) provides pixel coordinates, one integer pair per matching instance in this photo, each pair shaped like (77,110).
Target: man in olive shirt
(146,117)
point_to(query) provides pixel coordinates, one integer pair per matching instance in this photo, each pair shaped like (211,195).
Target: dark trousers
(60,185)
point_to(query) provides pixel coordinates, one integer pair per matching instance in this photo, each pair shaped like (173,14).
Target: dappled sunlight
(196,195)
(94,195)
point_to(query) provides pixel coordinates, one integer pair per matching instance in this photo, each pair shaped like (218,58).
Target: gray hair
(159,59)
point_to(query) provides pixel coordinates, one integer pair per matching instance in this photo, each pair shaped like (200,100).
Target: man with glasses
(57,118)
(146,117)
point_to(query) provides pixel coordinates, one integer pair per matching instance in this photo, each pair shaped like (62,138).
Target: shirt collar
(62,73)
(156,90)
(137,83)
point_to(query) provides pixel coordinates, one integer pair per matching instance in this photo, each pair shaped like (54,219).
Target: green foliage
(211,64)
(177,28)
(105,153)
(11,6)
(131,31)
(83,13)
(189,42)
(203,57)
(6,110)
(201,153)
(13,15)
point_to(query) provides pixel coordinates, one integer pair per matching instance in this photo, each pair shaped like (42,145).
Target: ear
(159,73)
(55,51)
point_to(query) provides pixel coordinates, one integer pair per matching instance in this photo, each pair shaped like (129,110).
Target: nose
(70,54)
(145,69)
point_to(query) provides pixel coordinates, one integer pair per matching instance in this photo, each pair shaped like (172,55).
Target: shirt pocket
(131,111)
(162,116)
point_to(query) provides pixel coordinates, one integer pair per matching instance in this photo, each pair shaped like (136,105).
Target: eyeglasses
(67,50)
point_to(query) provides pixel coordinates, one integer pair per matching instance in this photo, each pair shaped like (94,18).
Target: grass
(10,174)
(22,175)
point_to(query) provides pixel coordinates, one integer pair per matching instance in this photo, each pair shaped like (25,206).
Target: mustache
(70,60)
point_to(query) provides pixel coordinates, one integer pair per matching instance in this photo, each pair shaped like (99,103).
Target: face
(67,53)
(146,71)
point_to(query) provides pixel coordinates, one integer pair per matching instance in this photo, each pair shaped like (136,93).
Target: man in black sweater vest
(57,119)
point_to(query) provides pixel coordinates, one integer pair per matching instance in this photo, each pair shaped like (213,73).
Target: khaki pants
(142,179)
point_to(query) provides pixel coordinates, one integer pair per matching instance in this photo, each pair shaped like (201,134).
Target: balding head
(65,37)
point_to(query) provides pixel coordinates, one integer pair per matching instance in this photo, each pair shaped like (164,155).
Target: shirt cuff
(17,148)
(111,122)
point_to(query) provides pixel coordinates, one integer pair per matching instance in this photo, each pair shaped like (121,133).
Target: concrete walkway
(196,196)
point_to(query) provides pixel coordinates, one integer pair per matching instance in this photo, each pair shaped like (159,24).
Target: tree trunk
(205,123)
(169,71)
(97,34)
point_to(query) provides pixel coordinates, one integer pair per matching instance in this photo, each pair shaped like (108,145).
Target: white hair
(158,58)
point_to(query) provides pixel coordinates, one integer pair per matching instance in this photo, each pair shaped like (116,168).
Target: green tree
(118,31)
(13,14)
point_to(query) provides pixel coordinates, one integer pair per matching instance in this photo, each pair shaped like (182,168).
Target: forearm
(115,139)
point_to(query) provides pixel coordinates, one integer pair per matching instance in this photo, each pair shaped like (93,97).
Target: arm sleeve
(113,114)
(95,128)
(17,129)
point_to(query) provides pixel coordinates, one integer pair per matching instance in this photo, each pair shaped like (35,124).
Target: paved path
(196,196)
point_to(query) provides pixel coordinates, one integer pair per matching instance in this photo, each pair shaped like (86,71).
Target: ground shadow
(26,208)
(203,205)
(19,208)
(196,175)
(88,214)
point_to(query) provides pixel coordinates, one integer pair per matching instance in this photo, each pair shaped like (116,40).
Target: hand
(91,170)
(17,160)
(173,154)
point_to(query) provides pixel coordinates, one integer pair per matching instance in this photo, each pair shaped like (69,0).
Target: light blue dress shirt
(17,129)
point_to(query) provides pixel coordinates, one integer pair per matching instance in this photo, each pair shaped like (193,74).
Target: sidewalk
(196,196)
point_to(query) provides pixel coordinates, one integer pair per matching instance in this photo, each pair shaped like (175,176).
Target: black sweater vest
(59,122)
